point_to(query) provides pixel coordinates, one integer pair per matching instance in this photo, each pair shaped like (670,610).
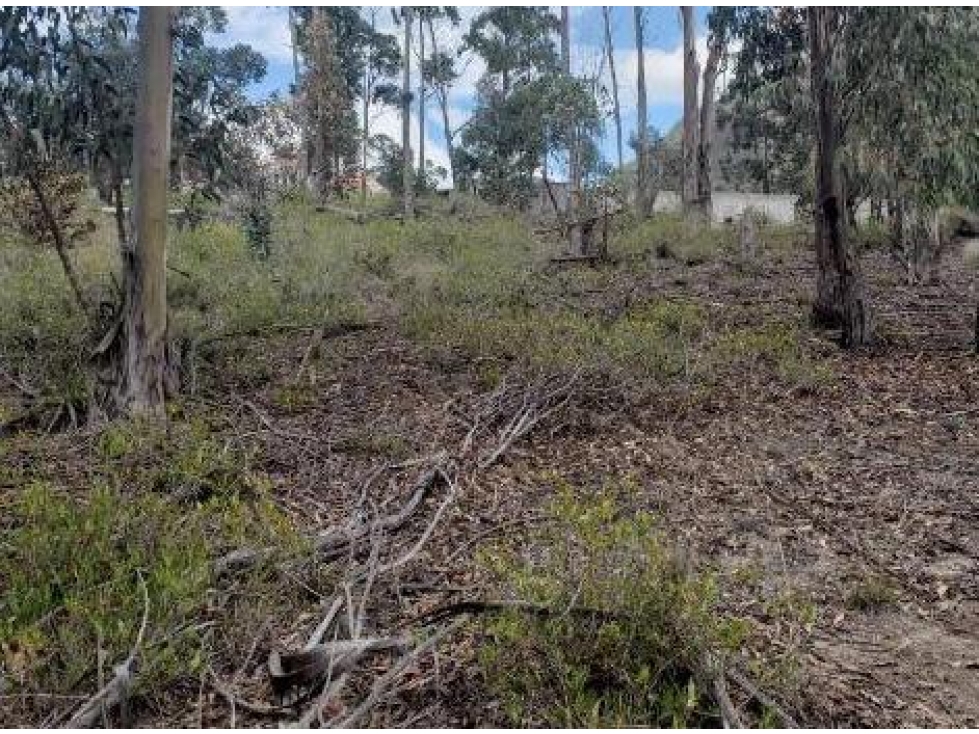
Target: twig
(260,709)
(729,714)
(114,691)
(335,541)
(382,684)
(324,625)
(428,529)
(763,698)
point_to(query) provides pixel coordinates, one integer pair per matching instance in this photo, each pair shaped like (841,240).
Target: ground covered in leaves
(831,496)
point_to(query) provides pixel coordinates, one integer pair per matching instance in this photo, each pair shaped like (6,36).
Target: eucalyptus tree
(910,93)
(407,170)
(691,123)
(142,380)
(610,55)
(440,69)
(644,202)
(56,98)
(516,43)
(507,137)
(356,63)
(896,95)
(327,104)
(719,21)
(832,242)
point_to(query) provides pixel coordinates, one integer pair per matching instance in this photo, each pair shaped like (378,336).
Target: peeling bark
(833,250)
(143,353)
(643,200)
(691,74)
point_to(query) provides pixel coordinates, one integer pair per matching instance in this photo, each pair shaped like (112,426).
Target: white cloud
(664,73)
(263,28)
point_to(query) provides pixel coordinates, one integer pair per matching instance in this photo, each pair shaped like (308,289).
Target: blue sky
(266,29)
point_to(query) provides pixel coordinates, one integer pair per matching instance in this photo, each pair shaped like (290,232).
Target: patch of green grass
(870,594)
(778,347)
(295,398)
(652,340)
(72,570)
(628,627)
(374,442)
(183,460)
(672,236)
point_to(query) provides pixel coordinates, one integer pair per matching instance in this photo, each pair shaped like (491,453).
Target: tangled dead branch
(339,646)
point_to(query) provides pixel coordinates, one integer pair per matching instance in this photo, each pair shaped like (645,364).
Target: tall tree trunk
(305,154)
(421,99)
(833,251)
(368,90)
(705,153)
(576,240)
(140,390)
(326,100)
(691,74)
(610,51)
(408,173)
(644,204)
(443,96)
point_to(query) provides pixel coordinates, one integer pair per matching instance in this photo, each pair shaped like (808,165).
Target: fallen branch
(763,698)
(335,541)
(114,692)
(260,709)
(305,668)
(329,332)
(491,606)
(533,410)
(382,684)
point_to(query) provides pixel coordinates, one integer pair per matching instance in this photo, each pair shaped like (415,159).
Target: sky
(266,29)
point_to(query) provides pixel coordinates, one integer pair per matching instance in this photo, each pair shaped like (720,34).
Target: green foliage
(628,626)
(651,341)
(390,166)
(525,107)
(64,193)
(674,237)
(258,221)
(230,290)
(72,569)
(871,593)
(43,334)
(183,461)
(774,346)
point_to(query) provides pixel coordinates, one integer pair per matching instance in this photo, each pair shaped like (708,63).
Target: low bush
(627,627)
(672,236)
(73,571)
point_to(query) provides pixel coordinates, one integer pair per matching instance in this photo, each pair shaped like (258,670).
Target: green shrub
(652,340)
(183,460)
(72,569)
(627,629)
(674,237)
(776,346)
(871,593)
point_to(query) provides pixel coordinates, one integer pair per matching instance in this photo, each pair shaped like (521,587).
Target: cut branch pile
(343,647)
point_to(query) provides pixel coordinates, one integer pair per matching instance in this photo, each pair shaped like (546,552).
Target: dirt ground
(855,505)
